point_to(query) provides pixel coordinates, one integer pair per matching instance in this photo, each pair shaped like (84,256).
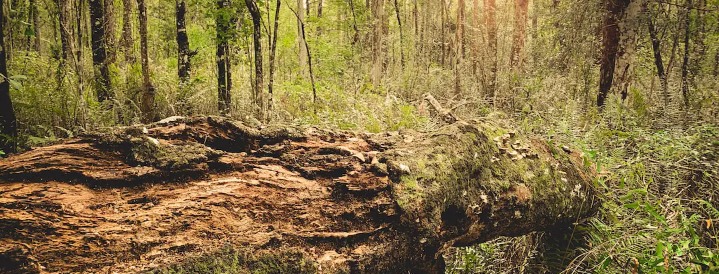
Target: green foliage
(232,260)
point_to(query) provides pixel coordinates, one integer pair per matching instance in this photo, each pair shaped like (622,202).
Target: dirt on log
(140,198)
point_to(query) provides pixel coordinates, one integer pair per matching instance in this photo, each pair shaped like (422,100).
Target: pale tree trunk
(490,24)
(378,42)
(148,94)
(371,203)
(66,28)
(520,31)
(476,37)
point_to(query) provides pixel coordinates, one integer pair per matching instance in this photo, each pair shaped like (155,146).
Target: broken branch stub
(134,198)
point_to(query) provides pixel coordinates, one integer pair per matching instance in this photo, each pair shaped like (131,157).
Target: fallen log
(139,198)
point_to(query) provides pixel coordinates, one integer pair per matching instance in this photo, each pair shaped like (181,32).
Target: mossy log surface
(139,198)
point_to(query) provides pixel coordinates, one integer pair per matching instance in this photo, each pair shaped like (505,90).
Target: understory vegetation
(654,138)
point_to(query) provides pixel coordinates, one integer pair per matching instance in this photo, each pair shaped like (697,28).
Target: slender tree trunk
(460,33)
(258,92)
(377,42)
(685,63)
(476,36)
(36,25)
(611,34)
(716,64)
(79,65)
(110,38)
(520,30)
(224,74)
(183,44)
(320,3)
(99,54)
(309,59)
(127,41)
(355,36)
(148,93)
(443,26)
(658,60)
(401,34)
(273,51)
(302,53)
(490,24)
(8,124)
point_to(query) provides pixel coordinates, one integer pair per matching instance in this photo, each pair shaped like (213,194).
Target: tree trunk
(685,63)
(658,60)
(273,51)
(355,37)
(611,35)
(66,29)
(302,53)
(99,54)
(401,34)
(460,33)
(148,94)
(127,41)
(309,59)
(36,25)
(224,74)
(320,3)
(80,64)
(476,37)
(8,124)
(258,92)
(183,44)
(520,31)
(378,43)
(490,24)
(110,38)
(339,201)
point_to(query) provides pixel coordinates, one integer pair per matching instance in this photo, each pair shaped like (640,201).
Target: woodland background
(633,83)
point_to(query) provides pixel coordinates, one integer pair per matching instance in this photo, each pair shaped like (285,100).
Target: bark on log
(136,198)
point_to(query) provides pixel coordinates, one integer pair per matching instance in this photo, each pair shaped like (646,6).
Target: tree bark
(80,64)
(611,35)
(8,123)
(99,53)
(685,62)
(401,34)
(183,44)
(66,29)
(148,93)
(36,25)
(490,24)
(224,74)
(258,92)
(339,201)
(127,41)
(520,30)
(110,38)
(302,53)
(273,51)
(658,60)
(378,43)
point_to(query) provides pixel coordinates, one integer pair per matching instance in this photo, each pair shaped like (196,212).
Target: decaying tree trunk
(134,198)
